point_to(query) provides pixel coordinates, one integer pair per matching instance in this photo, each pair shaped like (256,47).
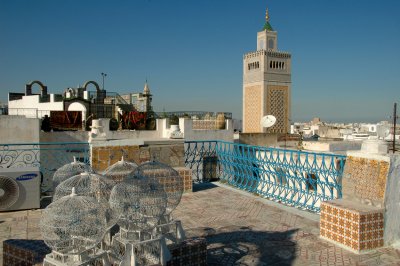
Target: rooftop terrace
(240,228)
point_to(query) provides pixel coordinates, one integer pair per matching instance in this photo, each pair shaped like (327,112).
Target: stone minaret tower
(148,96)
(266,84)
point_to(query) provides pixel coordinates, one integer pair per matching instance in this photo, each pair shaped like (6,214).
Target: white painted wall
(19,129)
(27,105)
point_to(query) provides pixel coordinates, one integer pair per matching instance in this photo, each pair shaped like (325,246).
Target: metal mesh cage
(139,201)
(73,224)
(90,185)
(120,170)
(69,170)
(168,177)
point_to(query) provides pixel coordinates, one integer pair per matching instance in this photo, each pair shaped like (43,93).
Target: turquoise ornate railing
(47,156)
(292,177)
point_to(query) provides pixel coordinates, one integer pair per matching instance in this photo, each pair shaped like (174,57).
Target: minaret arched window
(271,44)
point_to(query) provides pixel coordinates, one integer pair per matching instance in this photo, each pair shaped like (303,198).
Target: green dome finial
(267,26)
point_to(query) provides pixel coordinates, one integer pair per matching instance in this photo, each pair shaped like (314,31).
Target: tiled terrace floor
(241,229)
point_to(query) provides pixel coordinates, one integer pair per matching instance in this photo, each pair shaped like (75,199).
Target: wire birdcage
(73,224)
(120,170)
(68,170)
(91,185)
(139,201)
(168,177)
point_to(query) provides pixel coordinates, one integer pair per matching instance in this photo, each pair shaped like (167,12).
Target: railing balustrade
(47,156)
(296,178)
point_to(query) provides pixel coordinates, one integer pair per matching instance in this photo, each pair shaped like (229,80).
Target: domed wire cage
(168,177)
(91,185)
(140,202)
(68,170)
(120,170)
(73,224)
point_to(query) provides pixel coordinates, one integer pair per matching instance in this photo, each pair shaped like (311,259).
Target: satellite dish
(268,121)
(382,132)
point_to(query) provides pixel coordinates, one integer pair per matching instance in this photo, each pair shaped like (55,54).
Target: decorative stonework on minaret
(266,83)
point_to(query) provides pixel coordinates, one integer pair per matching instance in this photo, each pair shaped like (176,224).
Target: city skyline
(344,57)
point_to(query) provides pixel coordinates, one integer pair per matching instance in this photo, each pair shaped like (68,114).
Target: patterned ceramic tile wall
(365,179)
(104,156)
(205,124)
(186,173)
(358,227)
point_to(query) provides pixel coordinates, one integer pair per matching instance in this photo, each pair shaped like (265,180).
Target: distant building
(266,84)
(316,121)
(94,104)
(141,101)
(34,105)
(3,109)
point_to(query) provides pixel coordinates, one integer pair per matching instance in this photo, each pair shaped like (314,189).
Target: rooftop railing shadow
(236,245)
(203,186)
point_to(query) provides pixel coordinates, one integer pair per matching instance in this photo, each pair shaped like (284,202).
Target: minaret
(266,83)
(147,95)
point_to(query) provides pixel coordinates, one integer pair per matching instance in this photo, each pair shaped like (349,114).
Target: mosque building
(266,84)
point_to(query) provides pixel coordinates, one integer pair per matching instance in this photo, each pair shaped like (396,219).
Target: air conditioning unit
(19,188)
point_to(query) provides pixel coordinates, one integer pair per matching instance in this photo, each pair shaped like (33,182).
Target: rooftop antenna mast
(394,127)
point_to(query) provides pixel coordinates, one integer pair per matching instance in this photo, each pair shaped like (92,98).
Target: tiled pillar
(353,225)
(186,173)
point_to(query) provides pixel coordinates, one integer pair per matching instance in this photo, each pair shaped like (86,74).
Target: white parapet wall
(190,134)
(19,129)
(331,146)
(31,107)
(392,200)
(100,131)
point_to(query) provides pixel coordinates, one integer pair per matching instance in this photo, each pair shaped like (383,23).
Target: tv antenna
(394,127)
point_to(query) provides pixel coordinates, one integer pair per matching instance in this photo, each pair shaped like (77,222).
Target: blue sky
(345,53)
